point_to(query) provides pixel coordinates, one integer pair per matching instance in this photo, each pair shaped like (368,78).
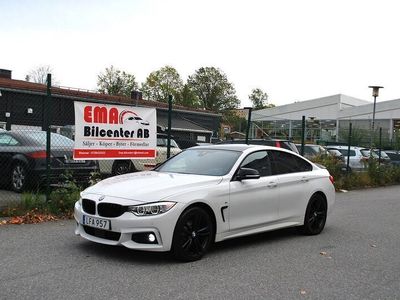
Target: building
(23,105)
(328,119)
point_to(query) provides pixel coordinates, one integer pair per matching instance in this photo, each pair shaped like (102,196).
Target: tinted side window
(258,161)
(283,162)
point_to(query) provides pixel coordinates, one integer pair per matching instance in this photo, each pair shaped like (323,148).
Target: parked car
(266,142)
(336,154)
(23,159)
(384,158)
(312,150)
(358,156)
(394,157)
(119,167)
(207,194)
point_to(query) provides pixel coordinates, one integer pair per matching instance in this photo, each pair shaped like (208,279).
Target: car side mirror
(247,173)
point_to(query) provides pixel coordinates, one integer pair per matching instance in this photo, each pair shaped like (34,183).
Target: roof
(181,124)
(323,108)
(25,86)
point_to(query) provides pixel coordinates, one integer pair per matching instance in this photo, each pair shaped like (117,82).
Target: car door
(254,202)
(293,175)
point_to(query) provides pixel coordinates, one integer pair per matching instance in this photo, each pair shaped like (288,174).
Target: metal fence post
(380,145)
(248,124)
(348,148)
(48,136)
(169,126)
(303,134)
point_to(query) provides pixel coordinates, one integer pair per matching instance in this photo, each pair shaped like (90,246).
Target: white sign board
(106,131)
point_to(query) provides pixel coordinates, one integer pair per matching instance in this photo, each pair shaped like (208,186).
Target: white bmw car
(206,194)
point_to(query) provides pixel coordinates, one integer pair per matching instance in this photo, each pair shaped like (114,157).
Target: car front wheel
(18,177)
(315,217)
(193,234)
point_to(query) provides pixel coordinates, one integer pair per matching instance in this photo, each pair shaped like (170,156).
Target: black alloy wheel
(121,167)
(193,234)
(315,218)
(18,177)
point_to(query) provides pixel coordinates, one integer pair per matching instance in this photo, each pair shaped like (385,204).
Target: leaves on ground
(325,254)
(31,217)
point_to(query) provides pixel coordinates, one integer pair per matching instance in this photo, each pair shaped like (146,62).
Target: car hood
(150,186)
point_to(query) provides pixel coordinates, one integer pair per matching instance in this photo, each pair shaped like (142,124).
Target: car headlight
(151,209)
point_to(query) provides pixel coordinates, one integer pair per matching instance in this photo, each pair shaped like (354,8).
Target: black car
(394,157)
(23,159)
(267,142)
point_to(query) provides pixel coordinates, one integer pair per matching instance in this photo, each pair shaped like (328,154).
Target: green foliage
(62,199)
(213,89)
(258,98)
(375,175)
(232,119)
(116,82)
(162,83)
(188,98)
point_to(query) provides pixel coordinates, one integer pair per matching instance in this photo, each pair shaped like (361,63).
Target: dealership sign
(105,131)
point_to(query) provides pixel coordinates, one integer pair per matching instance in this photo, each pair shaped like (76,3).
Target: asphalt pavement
(356,257)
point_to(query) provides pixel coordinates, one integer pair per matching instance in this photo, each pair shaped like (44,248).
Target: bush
(62,199)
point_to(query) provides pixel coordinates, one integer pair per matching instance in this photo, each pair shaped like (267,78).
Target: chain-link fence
(37,135)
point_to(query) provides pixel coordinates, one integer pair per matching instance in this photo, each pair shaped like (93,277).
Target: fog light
(151,238)
(144,238)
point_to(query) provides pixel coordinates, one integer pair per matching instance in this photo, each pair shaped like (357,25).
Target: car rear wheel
(18,177)
(193,234)
(315,217)
(122,167)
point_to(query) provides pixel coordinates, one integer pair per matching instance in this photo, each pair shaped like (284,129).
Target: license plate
(96,222)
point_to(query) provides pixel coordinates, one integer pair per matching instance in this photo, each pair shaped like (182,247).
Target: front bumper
(127,224)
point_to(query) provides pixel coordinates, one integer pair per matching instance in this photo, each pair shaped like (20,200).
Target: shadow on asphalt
(125,255)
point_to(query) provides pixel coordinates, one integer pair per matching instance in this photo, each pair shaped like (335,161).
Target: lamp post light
(375,94)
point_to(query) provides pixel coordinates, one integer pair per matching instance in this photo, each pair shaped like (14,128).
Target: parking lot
(356,257)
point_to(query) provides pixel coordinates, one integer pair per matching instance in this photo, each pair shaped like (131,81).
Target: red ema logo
(100,114)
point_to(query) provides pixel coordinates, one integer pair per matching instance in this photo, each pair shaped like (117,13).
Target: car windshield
(211,162)
(56,140)
(383,154)
(366,153)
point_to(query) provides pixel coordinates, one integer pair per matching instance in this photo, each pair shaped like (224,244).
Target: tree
(162,83)
(188,97)
(39,75)
(213,89)
(116,82)
(259,98)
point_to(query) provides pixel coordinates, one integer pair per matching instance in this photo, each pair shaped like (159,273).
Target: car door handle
(272,184)
(304,179)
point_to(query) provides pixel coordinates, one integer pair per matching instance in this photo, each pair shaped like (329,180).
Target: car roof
(240,147)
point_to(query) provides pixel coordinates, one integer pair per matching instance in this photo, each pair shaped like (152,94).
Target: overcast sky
(294,50)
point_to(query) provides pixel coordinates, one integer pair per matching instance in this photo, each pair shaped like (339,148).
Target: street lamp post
(375,94)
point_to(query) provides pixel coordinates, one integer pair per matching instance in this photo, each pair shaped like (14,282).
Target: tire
(18,177)
(193,234)
(121,167)
(315,217)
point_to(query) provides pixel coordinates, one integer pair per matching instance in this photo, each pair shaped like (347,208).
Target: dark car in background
(312,150)
(286,144)
(394,157)
(23,159)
